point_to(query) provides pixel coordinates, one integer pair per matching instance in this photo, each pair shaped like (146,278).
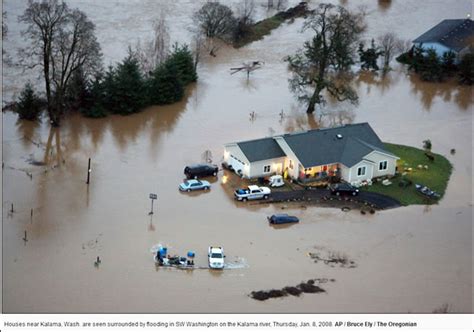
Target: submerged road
(379,201)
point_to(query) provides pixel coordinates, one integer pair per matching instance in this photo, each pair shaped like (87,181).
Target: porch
(321,173)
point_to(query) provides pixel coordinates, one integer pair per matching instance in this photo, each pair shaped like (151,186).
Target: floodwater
(413,259)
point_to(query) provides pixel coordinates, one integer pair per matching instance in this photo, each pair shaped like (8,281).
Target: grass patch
(259,30)
(436,177)
(264,27)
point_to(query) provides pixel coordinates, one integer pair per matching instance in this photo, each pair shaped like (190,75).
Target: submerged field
(410,259)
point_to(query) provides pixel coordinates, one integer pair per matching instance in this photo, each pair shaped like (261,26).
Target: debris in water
(310,288)
(304,287)
(333,259)
(292,290)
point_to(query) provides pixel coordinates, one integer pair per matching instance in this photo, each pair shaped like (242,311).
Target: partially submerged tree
(390,45)
(62,41)
(324,63)
(369,57)
(245,14)
(127,86)
(155,51)
(28,106)
(215,21)
(466,69)
(4,25)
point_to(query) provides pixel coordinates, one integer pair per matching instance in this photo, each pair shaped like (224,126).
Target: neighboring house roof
(347,144)
(261,149)
(455,34)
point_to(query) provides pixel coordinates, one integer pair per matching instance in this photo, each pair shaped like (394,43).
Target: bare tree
(197,46)
(390,44)
(277,4)
(245,12)
(215,21)
(155,51)
(4,25)
(62,41)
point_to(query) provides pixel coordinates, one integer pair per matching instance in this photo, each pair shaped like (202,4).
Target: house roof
(261,149)
(347,144)
(455,34)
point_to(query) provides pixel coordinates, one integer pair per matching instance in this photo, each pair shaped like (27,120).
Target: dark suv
(195,171)
(343,188)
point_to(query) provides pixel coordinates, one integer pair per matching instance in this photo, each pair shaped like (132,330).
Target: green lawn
(436,177)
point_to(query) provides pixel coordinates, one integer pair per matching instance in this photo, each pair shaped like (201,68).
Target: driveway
(378,200)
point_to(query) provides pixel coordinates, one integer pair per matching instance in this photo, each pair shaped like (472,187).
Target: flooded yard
(409,259)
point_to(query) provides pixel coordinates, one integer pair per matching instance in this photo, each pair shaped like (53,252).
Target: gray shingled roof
(261,149)
(322,147)
(455,34)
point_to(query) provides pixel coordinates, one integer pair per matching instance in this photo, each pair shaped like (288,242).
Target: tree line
(63,44)
(434,68)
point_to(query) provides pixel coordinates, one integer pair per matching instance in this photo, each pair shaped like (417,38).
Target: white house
(353,152)
(455,35)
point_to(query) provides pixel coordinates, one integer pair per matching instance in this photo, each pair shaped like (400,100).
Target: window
(266,169)
(361,171)
(383,165)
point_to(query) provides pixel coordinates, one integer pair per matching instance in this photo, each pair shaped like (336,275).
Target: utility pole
(88,171)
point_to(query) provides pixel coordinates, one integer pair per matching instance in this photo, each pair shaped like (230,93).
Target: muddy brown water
(411,259)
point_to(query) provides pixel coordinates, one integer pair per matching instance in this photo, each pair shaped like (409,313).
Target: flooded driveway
(412,259)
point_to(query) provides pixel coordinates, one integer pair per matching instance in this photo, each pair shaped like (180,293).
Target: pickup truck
(252,192)
(216,257)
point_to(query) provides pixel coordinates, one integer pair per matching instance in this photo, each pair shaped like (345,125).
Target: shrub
(28,106)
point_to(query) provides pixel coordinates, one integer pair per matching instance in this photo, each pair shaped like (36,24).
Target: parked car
(343,189)
(282,219)
(199,170)
(216,257)
(252,192)
(189,185)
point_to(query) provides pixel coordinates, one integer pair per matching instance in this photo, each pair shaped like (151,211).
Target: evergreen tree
(127,91)
(417,60)
(448,62)
(77,92)
(466,69)
(28,106)
(431,69)
(94,104)
(183,60)
(369,57)
(165,85)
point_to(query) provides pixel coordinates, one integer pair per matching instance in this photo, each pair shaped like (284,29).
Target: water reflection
(381,81)
(323,118)
(28,130)
(448,91)
(384,5)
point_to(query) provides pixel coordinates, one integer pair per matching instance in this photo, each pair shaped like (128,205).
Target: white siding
(369,171)
(234,157)
(378,157)
(290,156)
(345,173)
(276,166)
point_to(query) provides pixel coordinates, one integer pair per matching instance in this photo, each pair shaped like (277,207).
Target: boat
(425,191)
